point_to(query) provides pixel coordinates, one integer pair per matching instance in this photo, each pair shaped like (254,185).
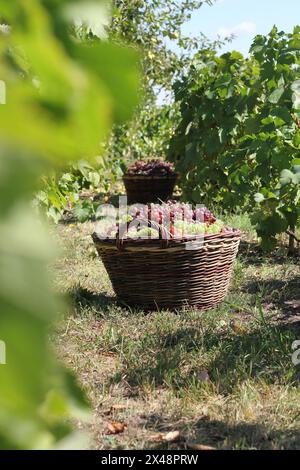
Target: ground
(223,378)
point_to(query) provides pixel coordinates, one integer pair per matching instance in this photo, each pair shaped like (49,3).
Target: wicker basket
(146,274)
(143,189)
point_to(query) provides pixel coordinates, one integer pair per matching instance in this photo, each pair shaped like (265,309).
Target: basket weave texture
(144,189)
(147,275)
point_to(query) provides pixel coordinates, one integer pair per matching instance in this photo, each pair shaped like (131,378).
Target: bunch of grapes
(151,168)
(202,214)
(177,220)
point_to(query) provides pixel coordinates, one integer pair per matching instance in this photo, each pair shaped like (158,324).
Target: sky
(244,19)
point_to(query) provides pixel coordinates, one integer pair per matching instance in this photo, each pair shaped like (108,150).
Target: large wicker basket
(144,189)
(150,275)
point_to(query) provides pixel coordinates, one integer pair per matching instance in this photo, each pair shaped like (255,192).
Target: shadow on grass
(179,360)
(83,298)
(283,295)
(231,359)
(221,435)
(252,254)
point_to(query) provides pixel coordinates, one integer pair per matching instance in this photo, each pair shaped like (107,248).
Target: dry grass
(223,378)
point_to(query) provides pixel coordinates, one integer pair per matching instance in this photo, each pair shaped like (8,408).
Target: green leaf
(188,128)
(295,86)
(78,107)
(258,197)
(276,95)
(84,211)
(191,153)
(268,243)
(296,140)
(286,177)
(272,225)
(296,178)
(94,178)
(59,108)
(103,59)
(296,165)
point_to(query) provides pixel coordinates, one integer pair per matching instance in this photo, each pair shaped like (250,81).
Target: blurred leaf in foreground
(61,100)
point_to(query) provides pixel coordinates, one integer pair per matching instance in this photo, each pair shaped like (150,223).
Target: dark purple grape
(151,168)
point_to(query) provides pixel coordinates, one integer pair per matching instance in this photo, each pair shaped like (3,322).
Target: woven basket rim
(145,244)
(150,177)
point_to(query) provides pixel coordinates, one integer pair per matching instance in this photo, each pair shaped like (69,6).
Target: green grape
(126,218)
(197,229)
(189,228)
(215,228)
(148,232)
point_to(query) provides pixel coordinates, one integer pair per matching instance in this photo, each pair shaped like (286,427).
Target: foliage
(60,103)
(278,129)
(147,135)
(75,193)
(213,102)
(239,136)
(154,27)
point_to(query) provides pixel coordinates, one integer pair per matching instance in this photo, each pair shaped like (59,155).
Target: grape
(215,227)
(146,232)
(190,228)
(151,168)
(202,214)
(179,220)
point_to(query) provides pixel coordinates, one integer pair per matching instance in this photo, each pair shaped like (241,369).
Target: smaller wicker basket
(165,274)
(143,189)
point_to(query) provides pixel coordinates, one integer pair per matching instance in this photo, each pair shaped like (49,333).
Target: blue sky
(243,18)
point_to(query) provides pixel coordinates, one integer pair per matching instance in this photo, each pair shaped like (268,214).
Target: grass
(222,378)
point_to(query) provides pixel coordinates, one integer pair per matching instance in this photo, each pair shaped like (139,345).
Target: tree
(154,28)
(238,138)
